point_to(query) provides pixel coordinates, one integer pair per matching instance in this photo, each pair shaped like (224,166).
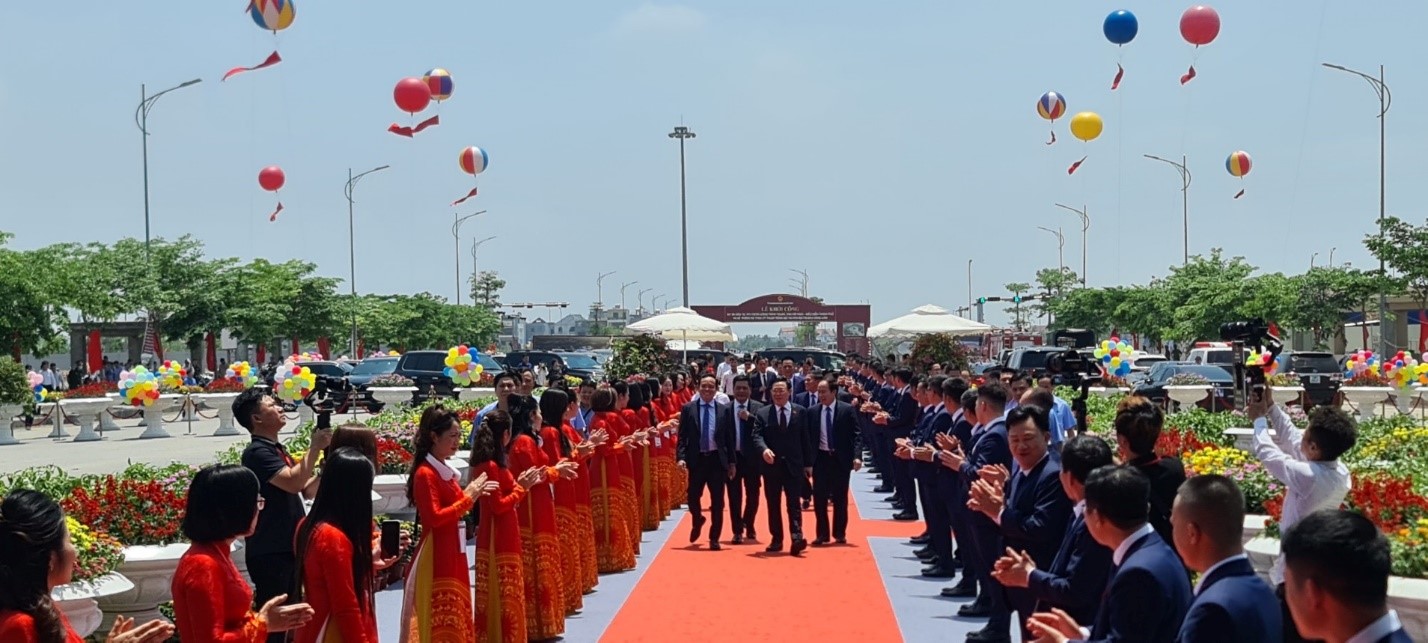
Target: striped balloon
(473,160)
(1238,163)
(439,82)
(1051,106)
(273,15)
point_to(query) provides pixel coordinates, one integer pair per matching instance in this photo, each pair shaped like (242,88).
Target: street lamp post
(1385,100)
(600,289)
(1185,178)
(352,247)
(641,299)
(476,245)
(654,301)
(141,118)
(456,235)
(1060,247)
(622,292)
(1085,225)
(969,284)
(1331,256)
(682,133)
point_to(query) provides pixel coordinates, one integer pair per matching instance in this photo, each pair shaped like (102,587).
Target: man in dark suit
(837,454)
(1232,604)
(1336,567)
(1149,592)
(744,488)
(920,448)
(1076,578)
(898,418)
(988,450)
(875,393)
(1031,508)
(782,439)
(706,450)
(759,380)
(808,396)
(1138,424)
(958,395)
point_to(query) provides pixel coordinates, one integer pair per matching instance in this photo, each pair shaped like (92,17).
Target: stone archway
(852,319)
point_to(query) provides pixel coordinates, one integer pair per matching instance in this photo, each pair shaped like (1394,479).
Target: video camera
(1071,368)
(321,399)
(1255,334)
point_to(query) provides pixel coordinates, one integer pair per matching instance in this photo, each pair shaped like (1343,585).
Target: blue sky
(876,145)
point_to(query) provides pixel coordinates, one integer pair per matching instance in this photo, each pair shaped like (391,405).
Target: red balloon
(1199,25)
(412,95)
(271,178)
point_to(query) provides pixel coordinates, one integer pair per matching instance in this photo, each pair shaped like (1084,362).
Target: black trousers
(934,511)
(902,480)
(743,493)
(830,485)
(708,471)
(987,539)
(782,490)
(273,575)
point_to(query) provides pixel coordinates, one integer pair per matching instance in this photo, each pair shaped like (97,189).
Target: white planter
(151,569)
(79,604)
(1288,394)
(1254,526)
(1244,438)
(7,422)
(153,417)
(393,489)
(1262,550)
(1404,398)
(56,419)
(477,392)
(389,395)
(1101,391)
(223,403)
(1364,398)
(87,410)
(1188,394)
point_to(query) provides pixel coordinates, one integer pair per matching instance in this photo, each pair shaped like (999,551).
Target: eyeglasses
(262,502)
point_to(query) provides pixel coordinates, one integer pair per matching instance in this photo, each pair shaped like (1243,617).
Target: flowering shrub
(47,479)
(392,458)
(1113,381)
(1214,460)
(1187,379)
(1175,442)
(135,511)
(1366,379)
(225,385)
(1388,500)
(91,390)
(1257,485)
(98,552)
(1409,547)
(1206,426)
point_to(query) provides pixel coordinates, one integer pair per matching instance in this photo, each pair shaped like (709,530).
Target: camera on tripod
(1254,333)
(1072,368)
(322,399)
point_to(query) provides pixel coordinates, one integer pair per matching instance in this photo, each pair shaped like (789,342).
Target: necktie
(708,434)
(738,428)
(828,427)
(782,419)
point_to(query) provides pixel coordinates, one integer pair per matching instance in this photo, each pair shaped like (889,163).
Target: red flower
(1173,442)
(1388,501)
(135,512)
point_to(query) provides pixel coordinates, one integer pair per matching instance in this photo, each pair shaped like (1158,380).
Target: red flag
(274,215)
(1274,329)
(1239,194)
(409,131)
(1075,166)
(1188,75)
(273,59)
(1120,73)
(464,198)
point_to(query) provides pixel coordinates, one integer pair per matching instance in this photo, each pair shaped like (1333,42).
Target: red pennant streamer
(1188,75)
(1053,138)
(1239,194)
(464,198)
(1120,73)
(1075,166)
(273,59)
(409,131)
(274,215)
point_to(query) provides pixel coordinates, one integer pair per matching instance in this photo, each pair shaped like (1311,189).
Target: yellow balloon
(1086,126)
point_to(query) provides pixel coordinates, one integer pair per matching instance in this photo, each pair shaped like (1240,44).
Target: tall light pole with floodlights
(1085,225)
(141,118)
(683,133)
(1185,179)
(352,246)
(1385,101)
(456,234)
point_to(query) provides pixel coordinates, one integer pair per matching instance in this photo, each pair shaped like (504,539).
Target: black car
(363,374)
(581,365)
(823,359)
(1032,359)
(1319,374)
(335,376)
(1222,398)
(427,370)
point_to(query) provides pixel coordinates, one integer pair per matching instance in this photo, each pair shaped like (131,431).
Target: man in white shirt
(726,373)
(1306,462)
(1336,579)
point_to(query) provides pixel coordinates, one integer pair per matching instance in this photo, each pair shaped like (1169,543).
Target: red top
(19,627)
(328,588)
(212,602)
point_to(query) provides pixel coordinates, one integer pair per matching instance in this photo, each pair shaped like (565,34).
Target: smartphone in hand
(391,538)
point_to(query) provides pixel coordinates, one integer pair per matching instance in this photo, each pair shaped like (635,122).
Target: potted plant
(1286,387)
(15,395)
(98,556)
(1111,385)
(88,403)
(1187,389)
(391,389)
(1365,390)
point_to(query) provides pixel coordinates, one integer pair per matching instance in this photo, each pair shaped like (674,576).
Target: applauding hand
(1055,626)
(155,631)
(281,618)
(1014,569)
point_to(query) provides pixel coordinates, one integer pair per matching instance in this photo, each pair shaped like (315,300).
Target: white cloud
(660,19)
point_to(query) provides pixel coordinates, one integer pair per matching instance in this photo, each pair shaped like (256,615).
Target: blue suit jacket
(1147,597)
(1234,606)
(902,414)
(939,422)
(989,448)
(1077,576)
(1036,512)
(805,399)
(1398,636)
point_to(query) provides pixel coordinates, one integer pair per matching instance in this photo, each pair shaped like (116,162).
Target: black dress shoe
(924,553)
(905,515)
(919,540)
(975,609)
(892,498)
(820,542)
(714,545)
(938,571)
(752,537)
(698,527)
(738,540)
(960,590)
(882,489)
(841,540)
(799,545)
(986,636)
(774,547)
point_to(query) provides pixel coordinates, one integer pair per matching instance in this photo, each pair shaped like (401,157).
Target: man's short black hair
(779,379)
(1039,397)
(1217,505)
(590,384)
(994,393)
(1083,454)
(1029,412)
(246,404)
(1120,494)
(1139,421)
(222,500)
(740,378)
(505,375)
(953,388)
(1333,430)
(708,376)
(903,373)
(1343,553)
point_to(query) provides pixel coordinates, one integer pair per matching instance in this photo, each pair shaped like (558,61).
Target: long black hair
(523,409)
(491,438)
(435,420)
(344,500)
(652,394)
(553,403)
(32,533)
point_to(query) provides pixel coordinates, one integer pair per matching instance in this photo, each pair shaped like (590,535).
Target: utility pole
(682,133)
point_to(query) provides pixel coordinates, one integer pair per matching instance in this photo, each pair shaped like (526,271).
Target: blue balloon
(1120,27)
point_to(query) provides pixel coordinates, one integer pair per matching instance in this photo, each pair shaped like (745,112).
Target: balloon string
(274,216)
(272,59)
(410,131)
(463,199)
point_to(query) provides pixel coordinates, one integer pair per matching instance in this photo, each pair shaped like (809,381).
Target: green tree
(486,288)
(1017,288)
(806,333)
(1324,295)
(1204,293)
(1089,308)
(1403,248)
(263,293)
(1054,284)
(32,313)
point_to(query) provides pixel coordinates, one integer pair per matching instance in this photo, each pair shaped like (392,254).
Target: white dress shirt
(1122,549)
(1311,486)
(1201,580)
(1385,625)
(738,425)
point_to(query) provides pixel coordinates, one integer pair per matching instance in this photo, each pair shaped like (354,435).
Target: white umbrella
(684,324)
(925,320)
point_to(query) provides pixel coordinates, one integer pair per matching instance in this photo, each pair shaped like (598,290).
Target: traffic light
(981,300)
(1016,299)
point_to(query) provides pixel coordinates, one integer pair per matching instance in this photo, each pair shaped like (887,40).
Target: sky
(878,146)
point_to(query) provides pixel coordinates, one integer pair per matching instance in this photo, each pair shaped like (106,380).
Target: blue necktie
(708,424)
(828,426)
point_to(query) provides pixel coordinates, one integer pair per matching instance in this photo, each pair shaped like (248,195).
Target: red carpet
(740,593)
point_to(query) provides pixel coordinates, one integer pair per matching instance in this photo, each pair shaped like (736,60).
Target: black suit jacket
(902,414)
(792,446)
(746,429)
(1036,511)
(845,438)
(1077,577)
(806,399)
(689,432)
